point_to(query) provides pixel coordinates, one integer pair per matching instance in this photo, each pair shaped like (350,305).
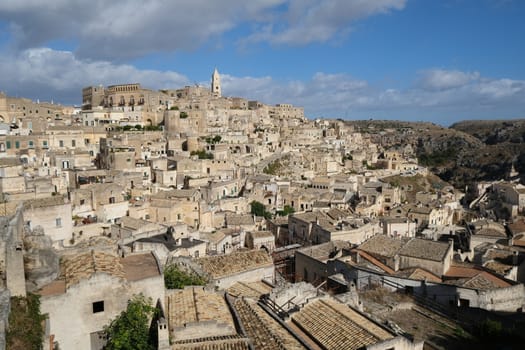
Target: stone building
(92,289)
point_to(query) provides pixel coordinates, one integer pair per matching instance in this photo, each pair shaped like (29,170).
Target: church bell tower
(216,84)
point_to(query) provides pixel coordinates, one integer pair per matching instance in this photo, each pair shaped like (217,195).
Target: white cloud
(125,29)
(308,21)
(49,74)
(341,95)
(440,79)
(128,28)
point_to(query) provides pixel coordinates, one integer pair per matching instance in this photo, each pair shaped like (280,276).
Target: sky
(420,60)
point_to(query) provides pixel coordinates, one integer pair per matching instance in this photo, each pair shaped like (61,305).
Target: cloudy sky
(439,61)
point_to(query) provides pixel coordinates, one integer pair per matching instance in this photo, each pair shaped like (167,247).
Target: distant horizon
(438,62)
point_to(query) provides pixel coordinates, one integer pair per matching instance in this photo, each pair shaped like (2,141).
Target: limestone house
(92,289)
(219,241)
(279,228)
(245,266)
(320,227)
(431,214)
(302,199)
(54,215)
(216,190)
(398,227)
(502,260)
(244,222)
(166,246)
(129,228)
(487,231)
(260,240)
(11,179)
(512,195)
(435,257)
(106,201)
(463,285)
(165,178)
(176,206)
(311,262)
(62,138)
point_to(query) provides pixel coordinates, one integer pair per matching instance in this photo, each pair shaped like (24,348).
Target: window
(98,306)
(8,144)
(60,143)
(58,222)
(82,201)
(73,143)
(17,144)
(31,144)
(111,200)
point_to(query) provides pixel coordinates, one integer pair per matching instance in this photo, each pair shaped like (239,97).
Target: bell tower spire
(216,84)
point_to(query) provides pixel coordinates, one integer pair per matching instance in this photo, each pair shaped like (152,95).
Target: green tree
(257,208)
(175,278)
(130,329)
(202,154)
(25,329)
(287,210)
(183,115)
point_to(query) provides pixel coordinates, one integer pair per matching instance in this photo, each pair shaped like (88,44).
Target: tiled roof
(140,266)
(232,342)
(417,273)
(261,234)
(324,251)
(336,326)
(262,329)
(8,208)
(235,220)
(250,289)
(78,267)
(464,276)
(425,249)
(194,304)
(45,202)
(226,265)
(490,232)
(382,245)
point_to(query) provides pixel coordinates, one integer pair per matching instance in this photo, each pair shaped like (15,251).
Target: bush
(175,278)
(272,168)
(25,330)
(258,209)
(202,154)
(287,210)
(183,115)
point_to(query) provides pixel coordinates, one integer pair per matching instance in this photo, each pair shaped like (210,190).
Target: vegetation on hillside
(272,168)
(26,324)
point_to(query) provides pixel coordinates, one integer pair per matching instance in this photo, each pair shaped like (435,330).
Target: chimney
(179,242)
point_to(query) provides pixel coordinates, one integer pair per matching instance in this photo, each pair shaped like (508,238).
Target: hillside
(466,152)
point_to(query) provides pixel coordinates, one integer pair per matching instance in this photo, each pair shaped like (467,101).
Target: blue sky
(430,60)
